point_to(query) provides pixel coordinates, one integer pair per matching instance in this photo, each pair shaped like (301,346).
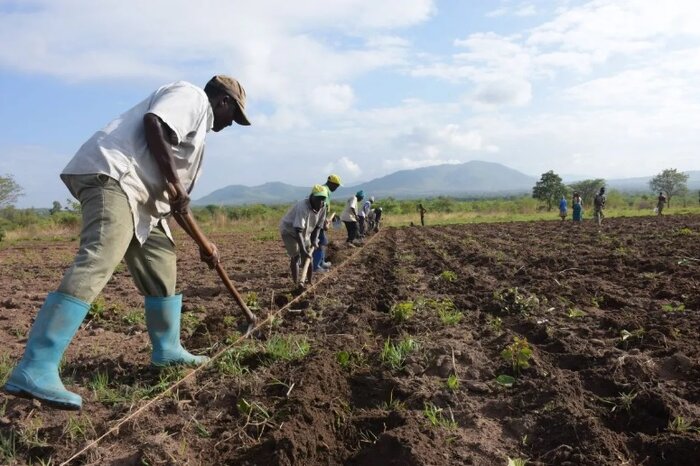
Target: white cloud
(332,98)
(348,169)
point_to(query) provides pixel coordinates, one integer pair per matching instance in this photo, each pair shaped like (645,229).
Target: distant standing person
(562,208)
(377,218)
(422,212)
(362,215)
(661,203)
(349,217)
(599,205)
(577,209)
(320,264)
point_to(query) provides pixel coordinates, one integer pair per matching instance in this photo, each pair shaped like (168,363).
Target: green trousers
(107,236)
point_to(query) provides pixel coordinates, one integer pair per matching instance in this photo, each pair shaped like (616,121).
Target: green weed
(97,309)
(447,276)
(231,362)
(679,424)
(8,446)
(6,365)
(452,382)
(349,359)
(401,312)
(449,315)
(287,348)
(78,428)
(394,355)
(518,354)
(513,301)
(575,313)
(516,462)
(393,404)
(135,317)
(252,301)
(496,324)
(673,307)
(437,417)
(505,380)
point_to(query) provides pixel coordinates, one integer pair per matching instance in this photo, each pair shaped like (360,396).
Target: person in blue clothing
(562,208)
(577,207)
(320,264)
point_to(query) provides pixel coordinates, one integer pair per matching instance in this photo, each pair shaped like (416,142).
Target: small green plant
(29,435)
(623,402)
(78,428)
(437,417)
(200,429)
(189,322)
(401,312)
(394,355)
(97,309)
(8,446)
(626,336)
(518,354)
(513,301)
(287,348)
(449,315)
(393,404)
(496,324)
(516,461)
(252,301)
(448,276)
(231,362)
(6,365)
(673,307)
(134,317)
(505,380)
(452,382)
(575,313)
(685,231)
(680,424)
(350,359)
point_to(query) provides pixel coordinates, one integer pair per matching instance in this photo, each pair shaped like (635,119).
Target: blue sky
(604,88)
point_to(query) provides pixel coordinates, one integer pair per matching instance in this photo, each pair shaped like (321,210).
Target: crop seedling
(401,312)
(626,336)
(673,307)
(437,417)
(496,324)
(452,382)
(518,354)
(505,380)
(448,276)
(200,429)
(512,301)
(575,313)
(394,355)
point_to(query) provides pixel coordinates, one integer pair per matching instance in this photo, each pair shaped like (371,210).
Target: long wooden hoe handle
(201,240)
(305,267)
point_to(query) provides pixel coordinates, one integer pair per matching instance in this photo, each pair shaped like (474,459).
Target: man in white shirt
(300,227)
(349,217)
(121,177)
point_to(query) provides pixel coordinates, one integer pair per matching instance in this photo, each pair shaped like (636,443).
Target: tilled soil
(611,317)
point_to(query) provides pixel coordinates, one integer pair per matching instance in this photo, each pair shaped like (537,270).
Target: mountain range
(468,180)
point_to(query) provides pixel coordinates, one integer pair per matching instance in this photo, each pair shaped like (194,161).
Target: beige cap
(233,88)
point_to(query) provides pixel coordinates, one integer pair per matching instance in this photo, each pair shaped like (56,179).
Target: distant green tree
(587,189)
(56,208)
(670,181)
(9,191)
(549,188)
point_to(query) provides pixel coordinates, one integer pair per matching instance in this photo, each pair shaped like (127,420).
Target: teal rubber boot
(163,324)
(36,375)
